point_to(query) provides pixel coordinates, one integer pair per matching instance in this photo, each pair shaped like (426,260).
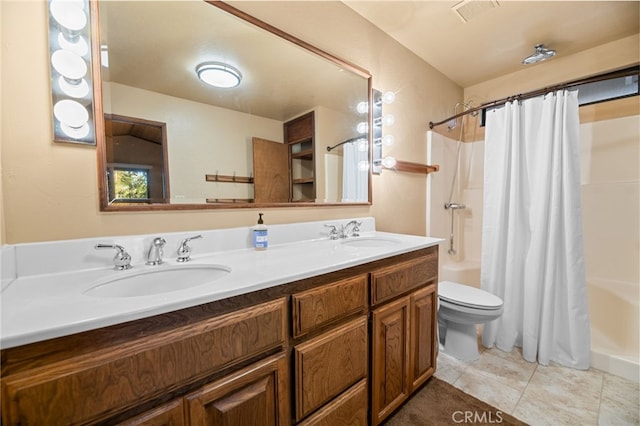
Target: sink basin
(370,242)
(162,279)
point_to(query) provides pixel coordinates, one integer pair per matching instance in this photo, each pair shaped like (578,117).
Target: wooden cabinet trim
(142,369)
(318,360)
(170,414)
(350,408)
(324,305)
(395,280)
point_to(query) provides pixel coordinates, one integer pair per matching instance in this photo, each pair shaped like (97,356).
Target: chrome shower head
(541,54)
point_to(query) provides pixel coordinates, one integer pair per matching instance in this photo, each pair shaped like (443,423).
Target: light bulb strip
(70,67)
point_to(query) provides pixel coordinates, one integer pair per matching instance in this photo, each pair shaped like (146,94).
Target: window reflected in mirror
(136,160)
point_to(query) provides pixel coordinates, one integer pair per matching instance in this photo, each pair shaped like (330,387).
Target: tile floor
(540,395)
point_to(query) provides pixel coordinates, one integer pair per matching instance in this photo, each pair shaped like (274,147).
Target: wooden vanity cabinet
(403,341)
(345,348)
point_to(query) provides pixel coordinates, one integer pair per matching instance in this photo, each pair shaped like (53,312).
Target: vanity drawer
(141,370)
(317,307)
(392,281)
(329,364)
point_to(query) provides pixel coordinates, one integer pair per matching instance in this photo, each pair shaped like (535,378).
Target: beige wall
(49,189)
(607,57)
(219,137)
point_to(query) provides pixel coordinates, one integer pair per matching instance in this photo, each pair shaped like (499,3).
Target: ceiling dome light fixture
(541,54)
(219,74)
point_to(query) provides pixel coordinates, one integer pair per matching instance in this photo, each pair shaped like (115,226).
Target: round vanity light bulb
(362,127)
(79,90)
(362,107)
(219,74)
(388,140)
(388,97)
(79,45)
(388,120)
(363,145)
(388,162)
(69,64)
(69,14)
(363,165)
(71,113)
(76,132)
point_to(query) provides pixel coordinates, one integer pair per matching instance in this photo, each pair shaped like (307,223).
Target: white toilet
(460,308)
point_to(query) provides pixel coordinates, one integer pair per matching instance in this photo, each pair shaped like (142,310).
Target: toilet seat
(466,296)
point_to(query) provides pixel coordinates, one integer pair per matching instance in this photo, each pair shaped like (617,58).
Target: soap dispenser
(260,235)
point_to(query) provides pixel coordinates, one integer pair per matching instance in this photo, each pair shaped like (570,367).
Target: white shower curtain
(532,244)
(355,179)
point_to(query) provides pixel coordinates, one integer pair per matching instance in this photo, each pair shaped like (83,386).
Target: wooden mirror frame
(100,122)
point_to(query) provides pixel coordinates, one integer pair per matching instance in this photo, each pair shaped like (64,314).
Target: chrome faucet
(122,259)
(354,225)
(184,251)
(154,255)
(351,229)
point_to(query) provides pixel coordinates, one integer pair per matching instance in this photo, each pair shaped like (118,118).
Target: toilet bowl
(460,309)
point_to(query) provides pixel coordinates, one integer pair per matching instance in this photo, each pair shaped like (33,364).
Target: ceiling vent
(469,9)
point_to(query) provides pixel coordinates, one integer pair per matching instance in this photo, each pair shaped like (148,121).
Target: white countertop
(41,302)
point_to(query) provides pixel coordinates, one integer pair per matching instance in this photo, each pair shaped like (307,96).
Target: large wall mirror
(168,140)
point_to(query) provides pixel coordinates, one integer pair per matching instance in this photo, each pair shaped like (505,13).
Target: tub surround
(43,298)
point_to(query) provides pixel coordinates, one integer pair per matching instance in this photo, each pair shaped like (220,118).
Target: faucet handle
(355,232)
(333,232)
(122,259)
(184,251)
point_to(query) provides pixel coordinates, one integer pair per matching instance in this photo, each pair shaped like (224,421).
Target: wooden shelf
(228,178)
(229,200)
(300,140)
(307,154)
(406,166)
(303,180)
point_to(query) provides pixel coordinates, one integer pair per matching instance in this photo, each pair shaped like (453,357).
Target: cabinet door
(270,171)
(256,395)
(423,335)
(329,364)
(390,353)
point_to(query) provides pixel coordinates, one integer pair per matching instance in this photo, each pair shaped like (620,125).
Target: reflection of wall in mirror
(202,139)
(332,127)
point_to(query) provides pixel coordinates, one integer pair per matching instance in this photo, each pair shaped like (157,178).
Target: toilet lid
(467,296)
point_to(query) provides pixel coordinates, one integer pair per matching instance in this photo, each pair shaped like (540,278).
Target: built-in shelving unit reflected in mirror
(152,56)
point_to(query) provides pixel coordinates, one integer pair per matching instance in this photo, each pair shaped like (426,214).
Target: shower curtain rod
(329,148)
(615,74)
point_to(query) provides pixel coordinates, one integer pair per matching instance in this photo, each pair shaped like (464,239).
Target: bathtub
(614,315)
